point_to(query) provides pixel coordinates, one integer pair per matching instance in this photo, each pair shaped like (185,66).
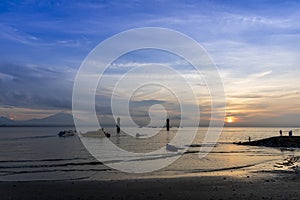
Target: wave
(7,172)
(51,165)
(202,145)
(229,168)
(225,152)
(28,137)
(222,169)
(43,160)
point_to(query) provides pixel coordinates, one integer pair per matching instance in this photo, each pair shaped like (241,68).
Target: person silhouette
(168,124)
(118,129)
(280,132)
(118,125)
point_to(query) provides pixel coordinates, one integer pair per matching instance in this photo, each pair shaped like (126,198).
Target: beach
(282,186)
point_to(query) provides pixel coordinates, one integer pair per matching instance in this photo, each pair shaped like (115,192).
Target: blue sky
(255,45)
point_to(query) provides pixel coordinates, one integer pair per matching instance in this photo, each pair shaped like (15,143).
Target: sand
(285,186)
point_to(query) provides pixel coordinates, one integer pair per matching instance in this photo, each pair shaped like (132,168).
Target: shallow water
(37,153)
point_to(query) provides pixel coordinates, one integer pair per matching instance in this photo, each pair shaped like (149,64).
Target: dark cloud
(34,87)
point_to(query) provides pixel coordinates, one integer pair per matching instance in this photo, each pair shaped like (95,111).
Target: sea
(38,153)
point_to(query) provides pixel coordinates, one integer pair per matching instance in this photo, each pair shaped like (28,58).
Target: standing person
(290,133)
(168,124)
(249,139)
(118,125)
(280,132)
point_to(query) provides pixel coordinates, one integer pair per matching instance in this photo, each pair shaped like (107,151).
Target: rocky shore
(279,141)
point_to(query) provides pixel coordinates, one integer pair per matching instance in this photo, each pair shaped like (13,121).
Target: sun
(230,119)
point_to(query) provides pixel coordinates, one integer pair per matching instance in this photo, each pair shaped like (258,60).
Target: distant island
(59,119)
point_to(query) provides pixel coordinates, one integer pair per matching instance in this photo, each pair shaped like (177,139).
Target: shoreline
(283,186)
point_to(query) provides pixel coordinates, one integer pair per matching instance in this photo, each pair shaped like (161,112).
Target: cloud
(262,74)
(34,87)
(258,96)
(16,35)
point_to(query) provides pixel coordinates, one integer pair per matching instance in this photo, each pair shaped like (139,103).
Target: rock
(280,141)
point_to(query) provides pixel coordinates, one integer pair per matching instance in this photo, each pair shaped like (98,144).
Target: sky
(254,43)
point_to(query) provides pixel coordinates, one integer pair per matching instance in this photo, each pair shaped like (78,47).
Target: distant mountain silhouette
(5,121)
(59,119)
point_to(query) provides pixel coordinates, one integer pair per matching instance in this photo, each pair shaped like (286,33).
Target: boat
(67,133)
(107,134)
(101,133)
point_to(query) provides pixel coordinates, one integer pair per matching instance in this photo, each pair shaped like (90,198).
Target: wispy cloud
(16,35)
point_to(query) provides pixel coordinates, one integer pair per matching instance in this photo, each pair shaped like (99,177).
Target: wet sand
(285,186)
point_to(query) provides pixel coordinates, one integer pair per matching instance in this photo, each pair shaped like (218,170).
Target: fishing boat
(67,133)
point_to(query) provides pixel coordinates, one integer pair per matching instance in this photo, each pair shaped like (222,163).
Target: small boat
(107,134)
(100,133)
(67,133)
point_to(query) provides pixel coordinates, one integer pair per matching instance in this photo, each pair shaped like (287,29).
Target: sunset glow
(230,119)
